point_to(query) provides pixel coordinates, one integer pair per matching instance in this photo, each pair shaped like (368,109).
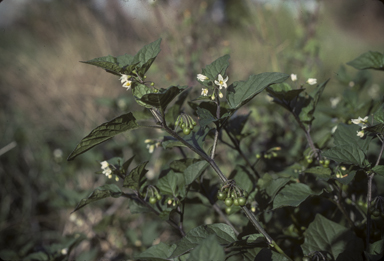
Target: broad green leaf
(139,90)
(105,191)
(105,132)
(205,117)
(236,125)
(348,154)
(163,98)
(182,164)
(126,64)
(267,254)
(318,92)
(377,129)
(127,163)
(193,171)
(219,66)
(174,111)
(224,235)
(208,249)
(136,207)
(348,178)
(243,178)
(212,108)
(379,114)
(376,251)
(293,195)
(109,63)
(240,93)
(320,172)
(368,60)
(160,252)
(132,180)
(346,135)
(272,186)
(173,184)
(146,56)
(325,235)
(379,170)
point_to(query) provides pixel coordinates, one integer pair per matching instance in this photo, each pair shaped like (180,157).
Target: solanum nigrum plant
(331,229)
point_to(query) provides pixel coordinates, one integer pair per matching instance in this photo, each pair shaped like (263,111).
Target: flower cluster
(362,122)
(107,171)
(152,144)
(125,81)
(220,82)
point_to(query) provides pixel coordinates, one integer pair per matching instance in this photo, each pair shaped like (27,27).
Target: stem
(217,127)
(307,134)
(340,206)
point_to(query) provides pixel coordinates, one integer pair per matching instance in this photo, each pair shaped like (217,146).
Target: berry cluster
(232,195)
(186,122)
(155,195)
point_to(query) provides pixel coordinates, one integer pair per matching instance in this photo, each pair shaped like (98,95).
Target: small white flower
(124,78)
(334,129)
(221,82)
(201,77)
(204,92)
(150,148)
(334,101)
(107,172)
(362,122)
(109,176)
(294,77)
(351,84)
(220,94)
(127,85)
(64,251)
(104,164)
(311,81)
(117,178)
(360,133)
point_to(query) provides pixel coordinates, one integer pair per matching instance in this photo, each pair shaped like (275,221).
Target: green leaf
(376,250)
(293,195)
(109,63)
(208,249)
(219,66)
(182,164)
(162,99)
(348,154)
(240,93)
(173,184)
(325,235)
(379,170)
(146,56)
(243,178)
(132,180)
(346,135)
(127,163)
(205,117)
(104,132)
(348,178)
(379,114)
(376,129)
(320,172)
(236,125)
(272,186)
(139,90)
(194,171)
(368,60)
(224,235)
(160,252)
(174,111)
(105,191)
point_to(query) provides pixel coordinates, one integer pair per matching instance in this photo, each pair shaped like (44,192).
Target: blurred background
(49,100)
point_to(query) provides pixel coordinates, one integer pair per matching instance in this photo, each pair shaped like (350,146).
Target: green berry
(236,202)
(221,195)
(152,200)
(186,131)
(152,84)
(242,201)
(183,125)
(228,202)
(326,162)
(309,161)
(228,210)
(348,201)
(158,197)
(306,258)
(321,162)
(376,213)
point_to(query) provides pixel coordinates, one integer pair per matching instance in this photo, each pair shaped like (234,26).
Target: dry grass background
(49,100)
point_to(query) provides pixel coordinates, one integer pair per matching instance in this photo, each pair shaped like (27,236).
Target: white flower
(334,129)
(360,133)
(124,78)
(334,101)
(64,251)
(294,77)
(127,85)
(201,77)
(104,164)
(360,121)
(351,84)
(107,172)
(151,148)
(220,94)
(204,92)
(221,82)
(311,81)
